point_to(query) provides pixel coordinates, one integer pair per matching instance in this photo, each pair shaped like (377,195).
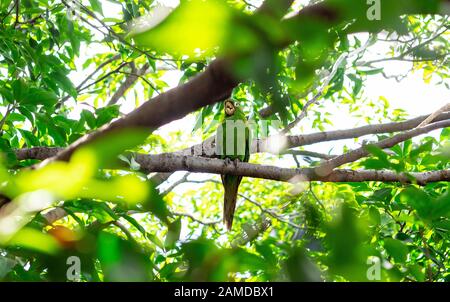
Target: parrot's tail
(231,186)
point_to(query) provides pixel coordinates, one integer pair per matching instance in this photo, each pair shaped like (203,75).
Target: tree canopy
(109,169)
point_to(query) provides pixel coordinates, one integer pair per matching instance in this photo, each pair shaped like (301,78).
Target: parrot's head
(230,108)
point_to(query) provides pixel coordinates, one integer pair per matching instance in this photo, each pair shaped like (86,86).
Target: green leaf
(6,94)
(89,118)
(40,96)
(168,270)
(443,225)
(96,6)
(300,268)
(7,151)
(15,117)
(249,261)
(107,148)
(211,22)
(106,114)
(122,260)
(97,209)
(426,147)
(441,206)
(373,164)
(407,146)
(374,215)
(345,236)
(357,84)
(156,204)
(402,236)
(417,271)
(173,233)
(371,71)
(418,200)
(32,239)
(396,249)
(64,83)
(380,154)
(377,151)
(29,138)
(266,251)
(337,82)
(384,195)
(19,89)
(134,223)
(445,134)
(188,17)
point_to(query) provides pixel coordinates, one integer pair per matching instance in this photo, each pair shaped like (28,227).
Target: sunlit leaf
(35,240)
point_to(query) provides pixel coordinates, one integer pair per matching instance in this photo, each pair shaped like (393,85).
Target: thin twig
(9,109)
(190,216)
(316,198)
(270,212)
(104,76)
(123,229)
(325,84)
(175,184)
(432,116)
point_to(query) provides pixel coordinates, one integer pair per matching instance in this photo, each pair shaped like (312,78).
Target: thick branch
(171,163)
(356,154)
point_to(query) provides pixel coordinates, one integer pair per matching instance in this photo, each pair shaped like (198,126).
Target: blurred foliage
(122,228)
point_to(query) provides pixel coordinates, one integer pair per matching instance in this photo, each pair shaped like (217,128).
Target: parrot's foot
(228,161)
(236,161)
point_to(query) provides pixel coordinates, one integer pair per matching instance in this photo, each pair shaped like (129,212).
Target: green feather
(233,130)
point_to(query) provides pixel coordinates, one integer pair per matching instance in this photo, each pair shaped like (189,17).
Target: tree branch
(432,116)
(170,163)
(325,84)
(270,212)
(354,155)
(318,137)
(306,153)
(190,216)
(207,148)
(122,65)
(54,215)
(103,64)
(129,81)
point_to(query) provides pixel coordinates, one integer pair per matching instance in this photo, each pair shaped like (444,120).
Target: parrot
(238,151)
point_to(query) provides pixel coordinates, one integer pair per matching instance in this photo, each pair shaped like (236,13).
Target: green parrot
(233,144)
